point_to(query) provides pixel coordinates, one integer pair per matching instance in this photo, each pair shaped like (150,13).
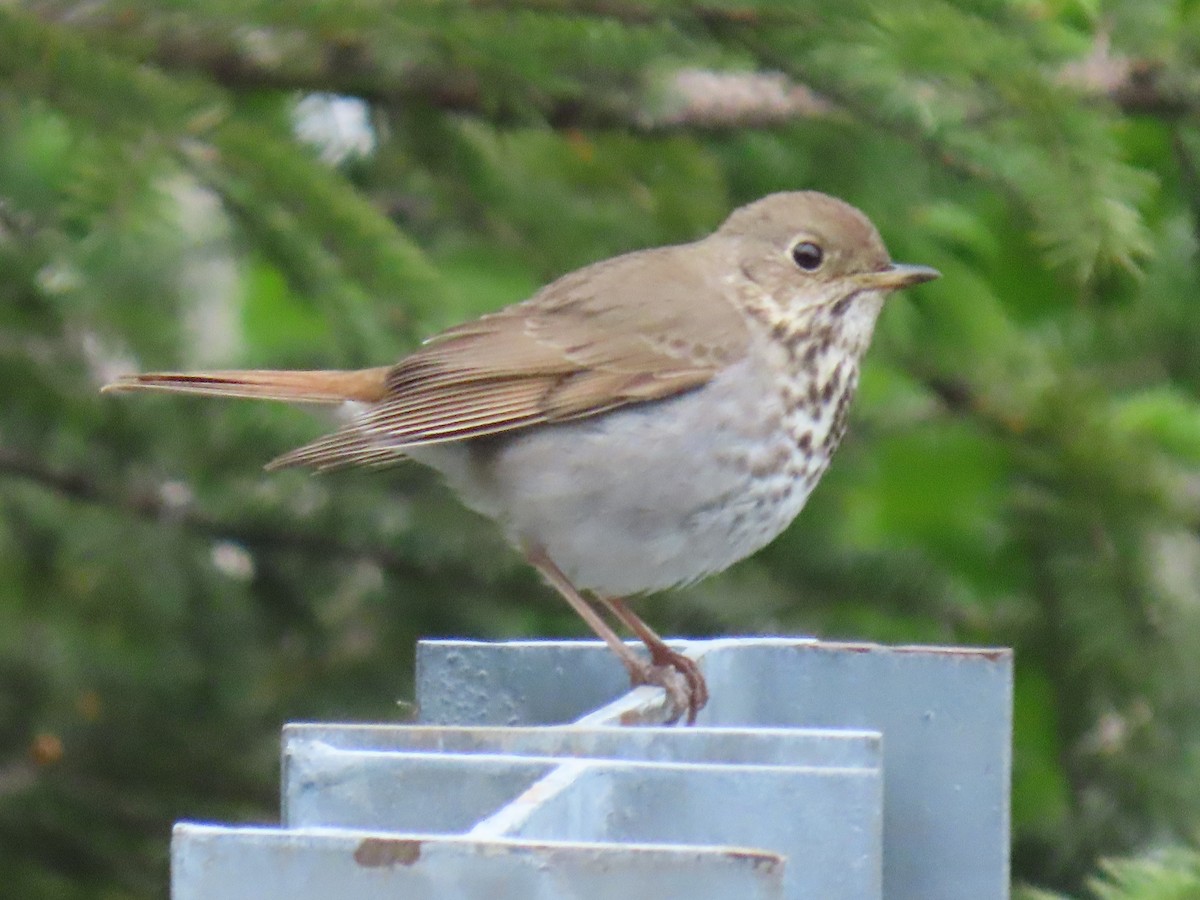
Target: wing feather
(640,327)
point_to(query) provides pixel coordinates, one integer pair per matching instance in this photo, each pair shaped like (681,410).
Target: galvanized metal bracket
(818,770)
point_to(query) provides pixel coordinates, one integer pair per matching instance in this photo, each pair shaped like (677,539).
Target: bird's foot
(679,676)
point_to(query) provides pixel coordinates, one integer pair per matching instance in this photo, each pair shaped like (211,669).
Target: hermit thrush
(637,424)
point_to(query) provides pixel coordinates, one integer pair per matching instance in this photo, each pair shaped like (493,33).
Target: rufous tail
(318,386)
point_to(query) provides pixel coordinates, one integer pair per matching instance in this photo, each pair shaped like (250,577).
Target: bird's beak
(897,276)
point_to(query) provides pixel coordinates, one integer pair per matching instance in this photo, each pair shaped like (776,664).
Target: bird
(635,425)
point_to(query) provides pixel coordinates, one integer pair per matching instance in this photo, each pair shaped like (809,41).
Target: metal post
(817,771)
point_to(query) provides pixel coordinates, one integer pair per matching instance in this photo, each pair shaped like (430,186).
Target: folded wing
(640,327)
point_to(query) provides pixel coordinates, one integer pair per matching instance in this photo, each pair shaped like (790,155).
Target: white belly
(649,496)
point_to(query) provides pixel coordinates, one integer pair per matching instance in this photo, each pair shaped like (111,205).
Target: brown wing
(639,327)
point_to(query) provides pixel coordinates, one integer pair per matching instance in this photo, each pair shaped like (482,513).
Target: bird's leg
(552,573)
(662,671)
(663,656)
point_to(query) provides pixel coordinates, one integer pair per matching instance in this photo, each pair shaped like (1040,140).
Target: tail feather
(320,386)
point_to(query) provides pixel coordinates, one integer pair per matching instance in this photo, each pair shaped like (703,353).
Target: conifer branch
(631,12)
(353,62)
(80,486)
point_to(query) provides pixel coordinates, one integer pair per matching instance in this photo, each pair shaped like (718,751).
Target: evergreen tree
(1023,467)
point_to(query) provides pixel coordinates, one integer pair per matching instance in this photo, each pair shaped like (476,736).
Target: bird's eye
(808,256)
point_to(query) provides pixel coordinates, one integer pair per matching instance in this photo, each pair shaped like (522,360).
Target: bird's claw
(680,677)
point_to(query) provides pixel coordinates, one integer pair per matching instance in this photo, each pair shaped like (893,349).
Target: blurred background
(321,184)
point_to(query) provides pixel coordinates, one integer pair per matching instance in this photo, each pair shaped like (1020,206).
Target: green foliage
(1173,874)
(1022,468)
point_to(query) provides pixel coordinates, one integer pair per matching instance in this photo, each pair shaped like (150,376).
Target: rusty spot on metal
(764,862)
(992,654)
(376,853)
